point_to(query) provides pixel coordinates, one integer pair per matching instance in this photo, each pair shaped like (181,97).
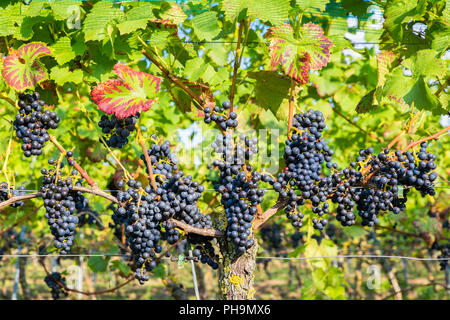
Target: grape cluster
(9,240)
(220,116)
(203,250)
(238,185)
(146,211)
(86,215)
(370,185)
(118,220)
(380,191)
(60,206)
(7,192)
(444,253)
(304,154)
(272,238)
(117,130)
(32,123)
(54,282)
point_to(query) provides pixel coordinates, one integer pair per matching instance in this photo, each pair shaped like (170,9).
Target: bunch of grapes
(9,240)
(7,192)
(117,130)
(32,123)
(146,211)
(118,220)
(370,184)
(86,215)
(143,216)
(272,237)
(55,282)
(238,185)
(60,206)
(444,253)
(219,115)
(305,153)
(203,250)
(379,190)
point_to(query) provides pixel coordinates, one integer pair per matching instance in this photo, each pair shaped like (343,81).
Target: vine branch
(83,173)
(291,106)
(174,79)
(95,191)
(87,293)
(237,63)
(432,137)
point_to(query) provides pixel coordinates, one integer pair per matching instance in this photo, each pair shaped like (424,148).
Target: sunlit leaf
(311,51)
(22,69)
(133,92)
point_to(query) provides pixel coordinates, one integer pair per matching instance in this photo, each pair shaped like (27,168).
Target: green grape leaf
(159,271)
(133,92)
(64,9)
(122,267)
(62,50)
(275,12)
(136,18)
(298,56)
(326,249)
(398,12)
(441,40)
(356,7)
(22,69)
(410,89)
(98,264)
(309,4)
(385,62)
(102,14)
(425,63)
(206,26)
(271,89)
(9,17)
(173,15)
(61,75)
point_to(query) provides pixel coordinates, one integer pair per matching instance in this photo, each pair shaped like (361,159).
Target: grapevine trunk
(236,273)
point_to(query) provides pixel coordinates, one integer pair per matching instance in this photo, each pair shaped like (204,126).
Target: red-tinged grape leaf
(366,104)
(385,60)
(133,92)
(298,56)
(22,69)
(317,45)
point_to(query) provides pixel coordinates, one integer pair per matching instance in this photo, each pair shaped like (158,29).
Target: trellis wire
(350,256)
(266,189)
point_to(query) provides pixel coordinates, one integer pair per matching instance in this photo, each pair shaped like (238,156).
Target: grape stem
(291,106)
(371,134)
(237,63)
(147,159)
(166,73)
(6,98)
(83,172)
(432,137)
(442,87)
(173,78)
